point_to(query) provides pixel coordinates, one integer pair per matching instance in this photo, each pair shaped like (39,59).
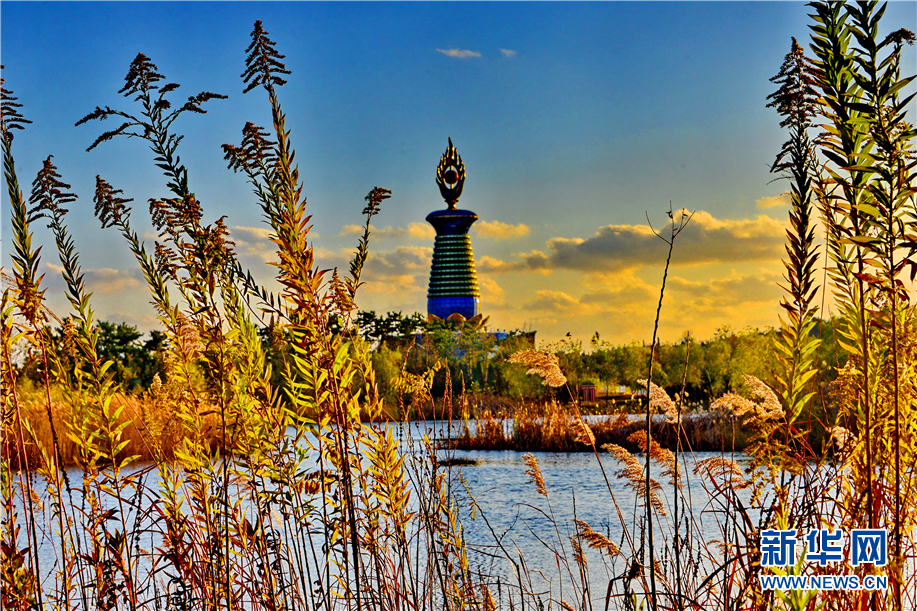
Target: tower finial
(450,176)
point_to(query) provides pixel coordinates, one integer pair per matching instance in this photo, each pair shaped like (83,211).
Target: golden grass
(552,427)
(153,431)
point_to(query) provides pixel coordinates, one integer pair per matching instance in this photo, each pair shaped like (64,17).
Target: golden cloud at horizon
(420,231)
(616,248)
(498,230)
(774,201)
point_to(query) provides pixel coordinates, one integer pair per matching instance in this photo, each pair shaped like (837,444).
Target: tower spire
(450,176)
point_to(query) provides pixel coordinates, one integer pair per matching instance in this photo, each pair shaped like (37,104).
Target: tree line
(477,360)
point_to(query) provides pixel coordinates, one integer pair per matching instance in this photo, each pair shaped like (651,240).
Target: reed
(149,427)
(734,423)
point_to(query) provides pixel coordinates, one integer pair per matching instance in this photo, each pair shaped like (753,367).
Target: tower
(453,281)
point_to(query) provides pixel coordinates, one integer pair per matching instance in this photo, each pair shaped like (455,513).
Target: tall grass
(152,430)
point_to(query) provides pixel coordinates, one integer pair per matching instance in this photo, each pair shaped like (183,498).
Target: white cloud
(492,294)
(101,281)
(403,258)
(623,309)
(554,301)
(397,285)
(252,233)
(459,53)
(508,52)
(396,279)
(733,291)
(628,301)
(139,320)
(355,230)
(423,231)
(254,242)
(535,261)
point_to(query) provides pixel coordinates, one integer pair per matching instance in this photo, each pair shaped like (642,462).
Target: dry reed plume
(597,540)
(633,473)
(534,472)
(582,432)
(660,401)
(542,364)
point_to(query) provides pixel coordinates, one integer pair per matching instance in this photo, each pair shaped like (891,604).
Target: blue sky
(574,120)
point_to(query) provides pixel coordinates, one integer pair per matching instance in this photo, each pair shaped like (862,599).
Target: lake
(576,488)
(499,504)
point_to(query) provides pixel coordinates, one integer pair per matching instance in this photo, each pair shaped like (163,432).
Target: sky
(578,123)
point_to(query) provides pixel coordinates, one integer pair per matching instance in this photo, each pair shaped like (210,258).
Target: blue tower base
(444,307)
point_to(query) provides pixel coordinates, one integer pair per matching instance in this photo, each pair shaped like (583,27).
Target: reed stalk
(676,228)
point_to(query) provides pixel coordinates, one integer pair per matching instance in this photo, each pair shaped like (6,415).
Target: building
(453,288)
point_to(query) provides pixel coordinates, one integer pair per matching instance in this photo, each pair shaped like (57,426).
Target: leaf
(867,278)
(862,240)
(877,324)
(913,266)
(869,209)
